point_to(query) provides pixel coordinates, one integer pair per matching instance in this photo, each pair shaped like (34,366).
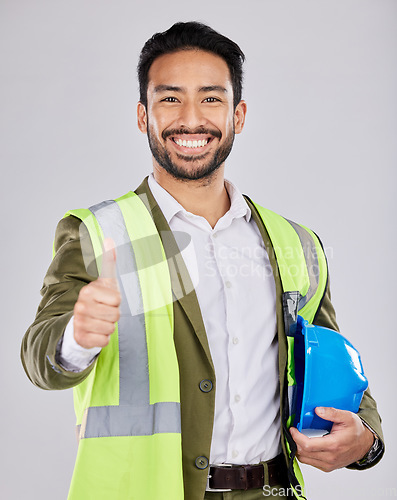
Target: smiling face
(190,118)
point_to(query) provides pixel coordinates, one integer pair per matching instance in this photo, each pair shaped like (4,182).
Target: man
(176,342)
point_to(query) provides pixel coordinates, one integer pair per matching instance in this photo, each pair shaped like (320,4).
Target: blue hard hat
(328,372)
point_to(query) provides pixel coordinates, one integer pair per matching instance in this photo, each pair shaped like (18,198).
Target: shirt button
(205,385)
(201,462)
(235,340)
(234,453)
(214,235)
(228,284)
(237,398)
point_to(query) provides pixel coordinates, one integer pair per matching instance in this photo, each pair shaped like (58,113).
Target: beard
(203,165)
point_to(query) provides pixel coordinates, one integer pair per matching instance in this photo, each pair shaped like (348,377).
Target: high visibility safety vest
(128,408)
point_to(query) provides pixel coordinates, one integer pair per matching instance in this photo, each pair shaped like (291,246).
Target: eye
(169,99)
(211,99)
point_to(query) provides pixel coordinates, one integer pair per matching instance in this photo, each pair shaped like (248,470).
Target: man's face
(190,119)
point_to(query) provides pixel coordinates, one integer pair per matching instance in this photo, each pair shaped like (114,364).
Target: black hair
(191,35)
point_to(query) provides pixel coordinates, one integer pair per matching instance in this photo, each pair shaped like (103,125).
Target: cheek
(229,126)
(154,126)
(229,121)
(158,123)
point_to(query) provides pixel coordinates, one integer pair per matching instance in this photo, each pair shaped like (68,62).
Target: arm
(65,278)
(349,439)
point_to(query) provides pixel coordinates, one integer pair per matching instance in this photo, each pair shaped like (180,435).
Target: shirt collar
(170,207)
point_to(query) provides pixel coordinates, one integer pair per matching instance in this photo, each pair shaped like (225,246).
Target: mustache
(182,131)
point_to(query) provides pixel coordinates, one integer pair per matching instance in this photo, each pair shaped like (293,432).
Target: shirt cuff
(70,355)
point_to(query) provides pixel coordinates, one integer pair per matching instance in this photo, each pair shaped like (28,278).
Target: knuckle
(104,341)
(78,322)
(81,340)
(107,329)
(85,291)
(79,308)
(117,297)
(111,328)
(117,315)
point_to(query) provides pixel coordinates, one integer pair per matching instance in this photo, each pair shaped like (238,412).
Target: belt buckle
(216,490)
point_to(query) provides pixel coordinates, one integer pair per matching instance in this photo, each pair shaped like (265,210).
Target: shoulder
(280,227)
(68,229)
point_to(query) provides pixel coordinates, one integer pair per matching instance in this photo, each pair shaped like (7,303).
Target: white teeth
(191,144)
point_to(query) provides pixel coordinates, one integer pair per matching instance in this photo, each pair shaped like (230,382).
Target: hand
(97,308)
(348,441)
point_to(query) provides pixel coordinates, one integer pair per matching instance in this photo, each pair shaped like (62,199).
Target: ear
(142,118)
(239,116)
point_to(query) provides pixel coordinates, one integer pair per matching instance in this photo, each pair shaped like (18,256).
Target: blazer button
(205,385)
(201,462)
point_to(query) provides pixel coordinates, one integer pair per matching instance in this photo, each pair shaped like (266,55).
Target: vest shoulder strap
(300,259)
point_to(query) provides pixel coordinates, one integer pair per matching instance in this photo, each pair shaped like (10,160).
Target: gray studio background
(319,147)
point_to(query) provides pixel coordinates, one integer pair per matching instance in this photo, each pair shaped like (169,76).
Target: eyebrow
(213,88)
(167,88)
(171,88)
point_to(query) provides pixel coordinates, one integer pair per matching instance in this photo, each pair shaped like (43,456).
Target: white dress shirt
(232,276)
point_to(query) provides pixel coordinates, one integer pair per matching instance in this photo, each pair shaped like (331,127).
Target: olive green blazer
(67,275)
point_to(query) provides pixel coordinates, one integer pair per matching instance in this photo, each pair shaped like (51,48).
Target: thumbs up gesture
(98,306)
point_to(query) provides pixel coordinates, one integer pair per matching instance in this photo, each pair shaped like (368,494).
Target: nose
(191,116)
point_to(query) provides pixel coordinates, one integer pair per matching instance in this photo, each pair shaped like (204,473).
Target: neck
(205,197)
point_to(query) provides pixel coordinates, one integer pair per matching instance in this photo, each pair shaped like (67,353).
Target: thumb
(332,414)
(108,276)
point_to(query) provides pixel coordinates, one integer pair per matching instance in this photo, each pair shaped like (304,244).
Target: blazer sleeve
(65,277)
(368,409)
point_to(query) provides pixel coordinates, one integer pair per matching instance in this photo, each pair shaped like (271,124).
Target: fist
(98,306)
(348,441)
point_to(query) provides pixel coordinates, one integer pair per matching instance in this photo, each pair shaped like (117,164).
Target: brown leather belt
(247,477)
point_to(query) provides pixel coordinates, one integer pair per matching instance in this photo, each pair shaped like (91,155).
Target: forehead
(189,68)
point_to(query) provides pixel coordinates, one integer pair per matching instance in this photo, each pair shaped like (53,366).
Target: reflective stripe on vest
(130,398)
(135,415)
